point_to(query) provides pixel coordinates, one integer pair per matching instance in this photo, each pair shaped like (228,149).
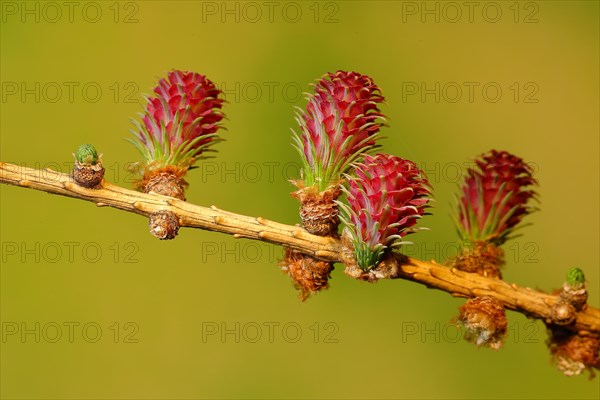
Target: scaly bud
(485,322)
(574,291)
(86,154)
(573,353)
(88,171)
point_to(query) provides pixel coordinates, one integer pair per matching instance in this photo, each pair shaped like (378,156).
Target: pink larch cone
(494,200)
(179,125)
(386,197)
(340,123)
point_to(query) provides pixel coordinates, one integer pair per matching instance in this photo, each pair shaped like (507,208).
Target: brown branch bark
(530,302)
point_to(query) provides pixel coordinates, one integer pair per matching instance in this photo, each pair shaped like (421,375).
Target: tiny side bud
(485,321)
(308,274)
(86,154)
(88,171)
(563,313)
(574,291)
(575,278)
(573,353)
(164,224)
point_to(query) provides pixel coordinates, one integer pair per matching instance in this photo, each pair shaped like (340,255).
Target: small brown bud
(485,321)
(574,291)
(309,274)
(88,175)
(573,353)
(576,297)
(164,224)
(563,313)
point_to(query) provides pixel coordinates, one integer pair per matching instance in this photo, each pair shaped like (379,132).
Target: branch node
(563,313)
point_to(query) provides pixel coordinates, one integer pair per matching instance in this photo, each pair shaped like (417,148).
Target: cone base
(318,210)
(387,268)
(167,181)
(481,257)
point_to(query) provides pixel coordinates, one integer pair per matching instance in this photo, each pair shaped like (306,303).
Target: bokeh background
(92,306)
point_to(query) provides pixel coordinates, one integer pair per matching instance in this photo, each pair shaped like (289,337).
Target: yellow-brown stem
(533,303)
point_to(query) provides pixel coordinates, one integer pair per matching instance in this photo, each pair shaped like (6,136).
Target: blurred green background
(121,315)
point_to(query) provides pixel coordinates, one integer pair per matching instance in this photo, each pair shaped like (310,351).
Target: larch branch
(533,303)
